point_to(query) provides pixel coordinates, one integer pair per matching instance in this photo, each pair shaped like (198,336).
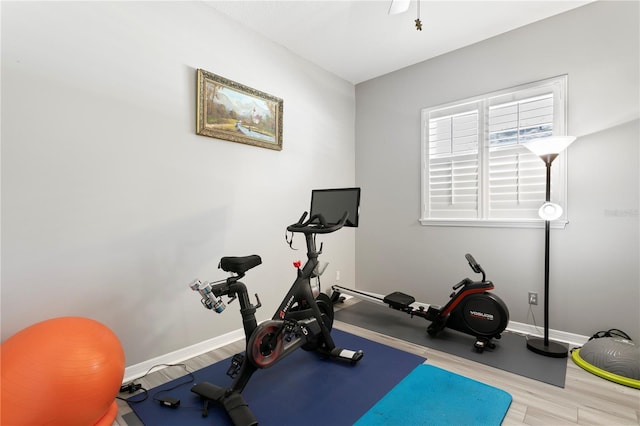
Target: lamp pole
(548,150)
(544,346)
(548,159)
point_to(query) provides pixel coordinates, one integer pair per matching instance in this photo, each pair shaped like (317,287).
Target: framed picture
(230,111)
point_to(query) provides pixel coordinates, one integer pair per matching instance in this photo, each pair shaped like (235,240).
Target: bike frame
(298,304)
(297,321)
(301,294)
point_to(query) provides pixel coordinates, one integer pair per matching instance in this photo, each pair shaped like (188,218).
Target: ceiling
(359,40)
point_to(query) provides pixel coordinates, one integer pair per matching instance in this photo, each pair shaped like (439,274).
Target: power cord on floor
(169,401)
(132,387)
(534,320)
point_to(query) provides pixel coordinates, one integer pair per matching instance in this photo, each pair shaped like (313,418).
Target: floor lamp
(548,149)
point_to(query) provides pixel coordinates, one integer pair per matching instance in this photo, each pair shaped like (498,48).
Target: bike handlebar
(316,224)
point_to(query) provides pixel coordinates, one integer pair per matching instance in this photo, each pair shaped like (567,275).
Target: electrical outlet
(533,298)
(337,275)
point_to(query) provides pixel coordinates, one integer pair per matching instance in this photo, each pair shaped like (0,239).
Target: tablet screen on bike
(332,203)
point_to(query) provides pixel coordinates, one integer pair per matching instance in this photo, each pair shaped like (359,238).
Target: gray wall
(594,261)
(111,204)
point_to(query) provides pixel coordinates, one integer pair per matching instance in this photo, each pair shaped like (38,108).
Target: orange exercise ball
(63,371)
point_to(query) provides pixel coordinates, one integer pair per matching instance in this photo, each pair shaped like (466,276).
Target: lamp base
(552,349)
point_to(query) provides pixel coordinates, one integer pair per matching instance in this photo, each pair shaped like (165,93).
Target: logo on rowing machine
(481,315)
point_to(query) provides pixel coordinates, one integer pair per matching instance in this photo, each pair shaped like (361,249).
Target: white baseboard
(138,370)
(571,339)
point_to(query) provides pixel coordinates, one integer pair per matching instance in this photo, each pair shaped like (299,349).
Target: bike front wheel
(265,345)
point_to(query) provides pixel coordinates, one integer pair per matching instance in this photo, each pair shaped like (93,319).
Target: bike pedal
(236,364)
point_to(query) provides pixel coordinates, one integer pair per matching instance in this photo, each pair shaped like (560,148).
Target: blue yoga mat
(302,389)
(432,396)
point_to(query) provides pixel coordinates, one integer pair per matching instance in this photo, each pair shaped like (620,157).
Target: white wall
(111,204)
(594,277)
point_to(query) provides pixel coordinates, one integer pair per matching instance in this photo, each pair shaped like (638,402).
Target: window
(475,171)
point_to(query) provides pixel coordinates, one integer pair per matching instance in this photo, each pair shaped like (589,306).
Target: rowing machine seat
(398,300)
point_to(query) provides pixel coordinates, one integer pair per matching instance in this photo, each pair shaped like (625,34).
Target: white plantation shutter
(516,176)
(516,183)
(453,165)
(475,168)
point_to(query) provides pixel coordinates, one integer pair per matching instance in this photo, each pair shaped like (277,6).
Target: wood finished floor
(585,400)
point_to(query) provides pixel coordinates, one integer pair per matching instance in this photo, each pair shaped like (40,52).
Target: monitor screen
(332,203)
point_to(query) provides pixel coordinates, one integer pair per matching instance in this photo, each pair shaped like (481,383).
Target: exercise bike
(472,309)
(301,321)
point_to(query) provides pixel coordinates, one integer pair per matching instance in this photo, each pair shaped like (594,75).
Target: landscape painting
(230,111)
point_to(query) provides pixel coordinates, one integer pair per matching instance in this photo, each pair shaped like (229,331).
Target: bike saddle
(239,264)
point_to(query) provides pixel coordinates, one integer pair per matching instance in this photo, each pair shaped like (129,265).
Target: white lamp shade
(550,211)
(550,145)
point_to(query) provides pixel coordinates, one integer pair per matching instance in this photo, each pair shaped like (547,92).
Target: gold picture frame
(231,111)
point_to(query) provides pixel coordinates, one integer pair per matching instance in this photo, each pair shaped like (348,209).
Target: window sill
(494,223)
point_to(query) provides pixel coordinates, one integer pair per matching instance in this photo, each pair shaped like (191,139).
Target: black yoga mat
(511,353)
